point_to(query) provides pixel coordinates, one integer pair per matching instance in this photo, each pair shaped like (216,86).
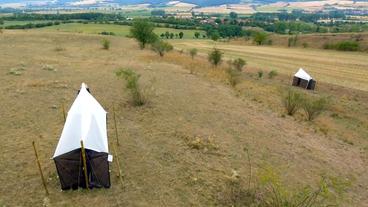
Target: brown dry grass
(159,166)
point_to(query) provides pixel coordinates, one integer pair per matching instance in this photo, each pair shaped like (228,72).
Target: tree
(167,34)
(233,15)
(161,47)
(162,35)
(215,57)
(181,35)
(171,35)
(197,34)
(193,52)
(142,31)
(215,36)
(260,38)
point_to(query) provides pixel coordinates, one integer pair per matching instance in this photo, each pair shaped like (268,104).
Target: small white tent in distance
(86,121)
(304,80)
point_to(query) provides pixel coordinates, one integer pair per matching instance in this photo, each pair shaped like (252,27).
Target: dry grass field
(349,69)
(181,148)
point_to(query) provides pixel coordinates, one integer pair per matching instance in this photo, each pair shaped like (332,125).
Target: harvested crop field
(348,69)
(178,150)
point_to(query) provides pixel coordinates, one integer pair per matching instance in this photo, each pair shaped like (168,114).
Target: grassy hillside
(117,29)
(183,147)
(347,69)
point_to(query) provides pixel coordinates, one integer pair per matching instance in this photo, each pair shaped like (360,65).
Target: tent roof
(86,121)
(303,75)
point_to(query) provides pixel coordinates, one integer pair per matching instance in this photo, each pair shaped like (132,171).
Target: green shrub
(161,47)
(215,57)
(314,106)
(272,74)
(347,46)
(343,46)
(238,64)
(105,44)
(132,84)
(305,44)
(260,74)
(292,101)
(193,52)
(260,38)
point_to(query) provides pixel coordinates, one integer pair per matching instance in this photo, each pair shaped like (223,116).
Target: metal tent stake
(39,167)
(84,163)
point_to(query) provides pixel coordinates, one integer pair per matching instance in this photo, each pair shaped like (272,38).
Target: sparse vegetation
(272,74)
(161,47)
(292,100)
(17,71)
(233,76)
(314,106)
(193,52)
(142,31)
(105,44)
(215,57)
(132,84)
(48,67)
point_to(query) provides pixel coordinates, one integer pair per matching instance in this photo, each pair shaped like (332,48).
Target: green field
(119,30)
(8,23)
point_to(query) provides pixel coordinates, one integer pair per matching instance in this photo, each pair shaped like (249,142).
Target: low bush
(105,44)
(272,74)
(161,47)
(260,74)
(314,106)
(238,63)
(215,57)
(132,84)
(292,101)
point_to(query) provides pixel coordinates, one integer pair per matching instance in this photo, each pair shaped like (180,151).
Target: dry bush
(17,71)
(48,67)
(132,84)
(292,101)
(59,49)
(314,106)
(161,47)
(234,76)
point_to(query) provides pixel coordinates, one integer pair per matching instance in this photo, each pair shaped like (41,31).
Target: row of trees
(170,35)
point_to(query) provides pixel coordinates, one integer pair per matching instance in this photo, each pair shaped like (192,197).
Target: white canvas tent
(303,79)
(86,121)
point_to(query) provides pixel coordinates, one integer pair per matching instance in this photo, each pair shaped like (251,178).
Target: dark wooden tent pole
(40,169)
(63,108)
(118,165)
(116,128)
(84,163)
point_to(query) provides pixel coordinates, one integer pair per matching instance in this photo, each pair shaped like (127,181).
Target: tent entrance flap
(70,170)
